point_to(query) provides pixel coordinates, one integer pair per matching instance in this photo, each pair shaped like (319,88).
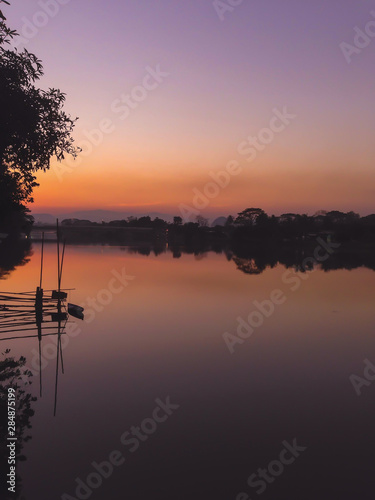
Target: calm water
(162,336)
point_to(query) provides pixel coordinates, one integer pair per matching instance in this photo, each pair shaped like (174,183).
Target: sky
(169,94)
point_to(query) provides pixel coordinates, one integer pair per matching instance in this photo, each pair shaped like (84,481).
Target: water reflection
(37,315)
(13,254)
(14,374)
(26,315)
(163,336)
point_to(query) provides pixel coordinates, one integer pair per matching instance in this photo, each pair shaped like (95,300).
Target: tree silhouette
(33,126)
(201,221)
(250,216)
(229,221)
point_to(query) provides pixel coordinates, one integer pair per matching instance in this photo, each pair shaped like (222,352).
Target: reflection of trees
(350,259)
(250,256)
(13,374)
(145,249)
(301,258)
(13,253)
(200,256)
(176,253)
(248,266)
(255,258)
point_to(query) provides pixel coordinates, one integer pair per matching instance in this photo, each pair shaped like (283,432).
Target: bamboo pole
(41,263)
(62,264)
(58,253)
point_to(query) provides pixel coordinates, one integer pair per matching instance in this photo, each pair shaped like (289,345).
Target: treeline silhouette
(252,226)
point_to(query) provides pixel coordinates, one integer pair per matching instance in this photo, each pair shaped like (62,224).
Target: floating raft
(27,311)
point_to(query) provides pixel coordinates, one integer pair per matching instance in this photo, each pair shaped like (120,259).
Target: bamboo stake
(62,264)
(58,254)
(41,263)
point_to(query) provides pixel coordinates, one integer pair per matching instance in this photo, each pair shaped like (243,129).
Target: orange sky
(282,178)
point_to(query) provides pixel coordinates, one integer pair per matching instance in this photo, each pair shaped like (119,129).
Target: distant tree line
(254,225)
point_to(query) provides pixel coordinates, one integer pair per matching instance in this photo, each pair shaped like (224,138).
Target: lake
(169,392)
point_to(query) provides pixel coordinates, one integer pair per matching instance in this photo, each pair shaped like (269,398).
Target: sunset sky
(221,80)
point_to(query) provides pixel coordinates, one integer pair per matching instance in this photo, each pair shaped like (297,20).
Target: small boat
(76,311)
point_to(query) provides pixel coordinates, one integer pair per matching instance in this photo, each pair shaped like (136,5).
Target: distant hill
(220,221)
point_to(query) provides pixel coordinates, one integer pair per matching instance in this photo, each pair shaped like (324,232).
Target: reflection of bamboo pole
(12,299)
(29,293)
(33,336)
(26,321)
(26,295)
(25,311)
(28,311)
(17,310)
(28,329)
(57,372)
(16,325)
(40,362)
(24,324)
(62,359)
(20,317)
